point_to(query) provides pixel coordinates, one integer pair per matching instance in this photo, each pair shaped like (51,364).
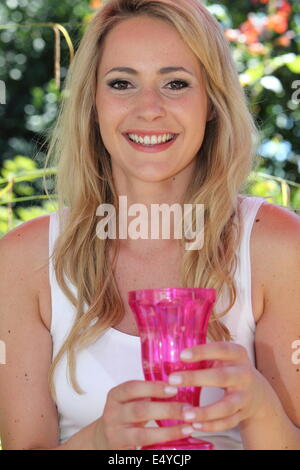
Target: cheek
(111,111)
(192,109)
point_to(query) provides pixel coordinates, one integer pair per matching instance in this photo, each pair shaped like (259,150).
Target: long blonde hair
(84,177)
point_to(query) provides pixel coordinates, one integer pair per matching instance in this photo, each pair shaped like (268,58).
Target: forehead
(145,41)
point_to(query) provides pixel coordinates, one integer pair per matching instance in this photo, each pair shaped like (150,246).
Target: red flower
(283,6)
(257,48)
(232,34)
(278,23)
(285,40)
(250,31)
(95,4)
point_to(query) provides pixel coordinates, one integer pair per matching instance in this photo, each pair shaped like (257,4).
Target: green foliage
(27,68)
(20,181)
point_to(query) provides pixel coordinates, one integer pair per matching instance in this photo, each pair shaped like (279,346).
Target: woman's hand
(128,408)
(245,388)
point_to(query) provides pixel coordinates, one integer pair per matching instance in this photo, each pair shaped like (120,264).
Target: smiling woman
(154,112)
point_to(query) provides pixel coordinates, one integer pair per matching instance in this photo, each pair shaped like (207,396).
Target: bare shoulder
(276,244)
(29,238)
(276,235)
(29,232)
(25,250)
(280,222)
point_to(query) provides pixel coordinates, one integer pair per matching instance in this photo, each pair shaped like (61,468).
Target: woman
(70,314)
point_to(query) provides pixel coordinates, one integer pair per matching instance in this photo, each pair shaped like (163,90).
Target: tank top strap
(58,300)
(54,227)
(248,212)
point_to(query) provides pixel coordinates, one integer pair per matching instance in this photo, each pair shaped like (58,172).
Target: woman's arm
(85,439)
(28,416)
(279,327)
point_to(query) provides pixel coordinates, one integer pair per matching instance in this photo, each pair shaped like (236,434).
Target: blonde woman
(73,377)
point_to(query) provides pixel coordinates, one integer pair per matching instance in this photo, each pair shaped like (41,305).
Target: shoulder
(277,227)
(27,233)
(25,247)
(276,244)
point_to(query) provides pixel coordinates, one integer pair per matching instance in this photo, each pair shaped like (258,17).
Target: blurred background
(38,39)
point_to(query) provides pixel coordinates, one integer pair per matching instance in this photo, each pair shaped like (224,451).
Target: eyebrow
(162,71)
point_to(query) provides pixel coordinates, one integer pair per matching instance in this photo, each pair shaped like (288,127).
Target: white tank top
(116,357)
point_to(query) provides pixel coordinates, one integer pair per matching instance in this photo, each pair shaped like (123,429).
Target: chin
(154,177)
(154,173)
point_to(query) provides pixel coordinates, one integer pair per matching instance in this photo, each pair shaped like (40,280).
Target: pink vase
(170,320)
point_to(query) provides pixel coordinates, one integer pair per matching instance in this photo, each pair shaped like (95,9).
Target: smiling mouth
(173,137)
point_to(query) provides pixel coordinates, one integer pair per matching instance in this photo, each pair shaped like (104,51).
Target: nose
(150,104)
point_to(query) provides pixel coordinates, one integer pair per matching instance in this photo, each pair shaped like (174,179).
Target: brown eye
(115,82)
(181,82)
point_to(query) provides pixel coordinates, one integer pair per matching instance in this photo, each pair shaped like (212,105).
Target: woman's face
(148,101)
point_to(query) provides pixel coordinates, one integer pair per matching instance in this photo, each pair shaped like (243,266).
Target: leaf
(277,62)
(269,189)
(23,189)
(25,163)
(296,199)
(30,212)
(294,66)
(250,76)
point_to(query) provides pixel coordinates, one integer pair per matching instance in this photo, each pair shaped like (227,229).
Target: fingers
(219,350)
(138,437)
(130,403)
(220,424)
(225,408)
(137,389)
(223,377)
(141,411)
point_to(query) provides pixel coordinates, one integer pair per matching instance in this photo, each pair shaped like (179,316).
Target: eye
(115,82)
(124,82)
(182,82)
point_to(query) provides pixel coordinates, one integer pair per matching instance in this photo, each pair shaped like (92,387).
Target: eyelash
(112,83)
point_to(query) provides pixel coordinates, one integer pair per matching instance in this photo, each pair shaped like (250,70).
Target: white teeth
(151,140)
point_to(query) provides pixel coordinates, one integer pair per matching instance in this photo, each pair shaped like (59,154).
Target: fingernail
(187,430)
(187,354)
(187,415)
(175,379)
(171,390)
(197,425)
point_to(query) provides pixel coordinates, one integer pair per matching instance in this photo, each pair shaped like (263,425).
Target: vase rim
(171,291)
